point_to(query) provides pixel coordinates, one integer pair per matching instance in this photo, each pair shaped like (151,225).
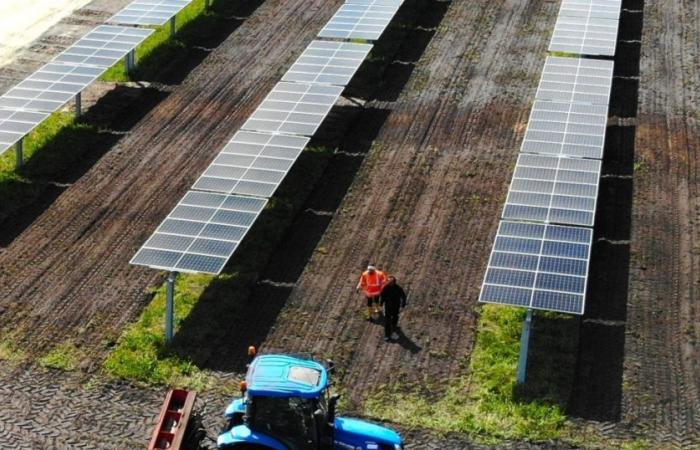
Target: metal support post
(19,152)
(78,104)
(172,27)
(130,62)
(524,344)
(170,306)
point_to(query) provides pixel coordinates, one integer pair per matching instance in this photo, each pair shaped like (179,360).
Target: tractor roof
(286,376)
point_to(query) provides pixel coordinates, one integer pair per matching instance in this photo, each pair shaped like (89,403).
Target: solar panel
(252,164)
(201,233)
(14,125)
(149,12)
(328,63)
(50,87)
(584,36)
(566,129)
(553,190)
(361,20)
(294,108)
(539,266)
(604,9)
(104,46)
(576,80)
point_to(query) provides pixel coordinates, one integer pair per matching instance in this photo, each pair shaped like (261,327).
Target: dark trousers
(391,321)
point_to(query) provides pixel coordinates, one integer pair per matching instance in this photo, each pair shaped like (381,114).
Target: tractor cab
(286,406)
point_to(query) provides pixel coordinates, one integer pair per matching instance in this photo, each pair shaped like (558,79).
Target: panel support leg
(19,152)
(78,104)
(524,345)
(130,62)
(172,27)
(170,307)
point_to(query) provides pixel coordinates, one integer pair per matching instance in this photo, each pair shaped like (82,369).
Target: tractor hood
(241,434)
(356,433)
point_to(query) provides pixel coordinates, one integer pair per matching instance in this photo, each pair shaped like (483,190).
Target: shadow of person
(406,342)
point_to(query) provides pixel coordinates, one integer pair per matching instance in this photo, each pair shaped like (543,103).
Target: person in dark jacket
(393,298)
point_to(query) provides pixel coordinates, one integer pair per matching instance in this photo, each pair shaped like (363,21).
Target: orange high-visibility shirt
(372,283)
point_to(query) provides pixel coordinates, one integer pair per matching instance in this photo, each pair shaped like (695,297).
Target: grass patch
(65,357)
(482,403)
(141,353)
(160,50)
(11,353)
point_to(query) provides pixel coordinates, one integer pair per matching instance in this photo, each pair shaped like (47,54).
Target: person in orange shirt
(371,282)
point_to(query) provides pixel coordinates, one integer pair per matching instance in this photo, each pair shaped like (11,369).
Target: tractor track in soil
(661,394)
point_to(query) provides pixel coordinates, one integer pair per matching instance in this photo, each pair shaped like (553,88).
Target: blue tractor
(286,406)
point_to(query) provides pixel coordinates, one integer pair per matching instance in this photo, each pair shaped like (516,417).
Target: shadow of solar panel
(15,125)
(104,46)
(328,63)
(201,233)
(149,12)
(538,266)
(294,108)
(361,20)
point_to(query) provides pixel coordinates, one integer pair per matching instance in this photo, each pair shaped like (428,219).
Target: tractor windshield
(290,420)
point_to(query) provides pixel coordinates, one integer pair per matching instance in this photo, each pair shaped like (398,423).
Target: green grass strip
(160,49)
(481,403)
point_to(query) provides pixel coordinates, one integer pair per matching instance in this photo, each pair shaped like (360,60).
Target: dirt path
(426,201)
(662,369)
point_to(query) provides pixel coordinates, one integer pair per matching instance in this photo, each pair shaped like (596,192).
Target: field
(410,172)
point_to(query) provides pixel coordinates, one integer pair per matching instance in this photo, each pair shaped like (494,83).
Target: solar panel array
(149,12)
(576,80)
(328,63)
(252,164)
(201,233)
(14,125)
(566,129)
(48,89)
(361,19)
(104,46)
(542,250)
(553,189)
(587,27)
(259,156)
(539,266)
(294,108)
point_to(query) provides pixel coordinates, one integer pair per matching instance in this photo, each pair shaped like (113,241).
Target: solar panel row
(361,19)
(67,75)
(587,27)
(534,263)
(539,266)
(149,12)
(258,157)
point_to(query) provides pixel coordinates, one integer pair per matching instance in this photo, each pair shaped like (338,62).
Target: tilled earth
(426,168)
